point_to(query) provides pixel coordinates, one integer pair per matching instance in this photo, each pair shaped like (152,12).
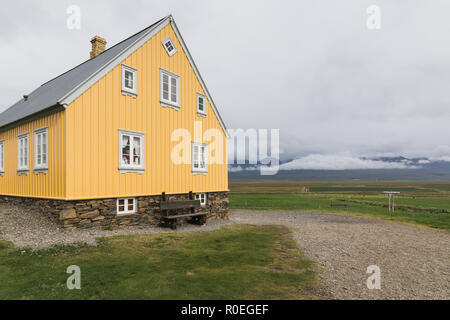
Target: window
(2,156)
(126,206)
(199,157)
(202,198)
(169,46)
(41,149)
(201,104)
(22,152)
(131,151)
(170,89)
(129,81)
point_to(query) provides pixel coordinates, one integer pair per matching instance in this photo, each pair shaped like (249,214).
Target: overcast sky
(309,68)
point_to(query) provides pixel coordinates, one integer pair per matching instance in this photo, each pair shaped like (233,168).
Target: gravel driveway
(25,228)
(414,261)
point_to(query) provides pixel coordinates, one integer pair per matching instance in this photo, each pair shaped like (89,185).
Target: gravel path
(25,228)
(414,261)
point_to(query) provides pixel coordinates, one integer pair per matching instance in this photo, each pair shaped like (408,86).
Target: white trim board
(89,82)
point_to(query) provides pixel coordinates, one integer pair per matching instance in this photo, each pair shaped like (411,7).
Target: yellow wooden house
(107,141)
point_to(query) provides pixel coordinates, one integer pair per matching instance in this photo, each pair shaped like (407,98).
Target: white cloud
(442,158)
(340,162)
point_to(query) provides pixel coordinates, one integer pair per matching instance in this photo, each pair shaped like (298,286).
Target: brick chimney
(98,46)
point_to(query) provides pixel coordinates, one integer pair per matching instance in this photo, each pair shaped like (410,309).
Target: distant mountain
(416,169)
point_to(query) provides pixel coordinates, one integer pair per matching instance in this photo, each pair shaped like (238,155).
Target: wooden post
(191,197)
(393,205)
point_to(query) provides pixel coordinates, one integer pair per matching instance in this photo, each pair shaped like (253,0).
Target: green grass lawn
(321,202)
(416,201)
(235,262)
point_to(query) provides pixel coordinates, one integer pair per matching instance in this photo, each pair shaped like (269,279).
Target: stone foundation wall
(103,212)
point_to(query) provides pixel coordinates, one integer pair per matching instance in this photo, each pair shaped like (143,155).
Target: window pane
(169,46)
(38,152)
(200,103)
(137,151)
(125,150)
(202,157)
(44,149)
(129,79)
(165,87)
(195,156)
(25,148)
(173,89)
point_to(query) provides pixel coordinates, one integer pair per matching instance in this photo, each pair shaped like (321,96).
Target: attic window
(169,46)
(201,104)
(129,81)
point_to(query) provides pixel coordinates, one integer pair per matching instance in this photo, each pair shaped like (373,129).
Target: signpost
(391,195)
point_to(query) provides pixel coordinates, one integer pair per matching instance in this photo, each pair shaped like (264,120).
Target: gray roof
(48,94)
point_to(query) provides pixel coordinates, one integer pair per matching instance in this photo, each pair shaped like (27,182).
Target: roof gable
(65,88)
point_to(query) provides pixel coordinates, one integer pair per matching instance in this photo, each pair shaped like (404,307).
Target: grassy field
(419,202)
(235,262)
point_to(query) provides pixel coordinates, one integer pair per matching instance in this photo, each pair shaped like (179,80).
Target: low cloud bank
(341,162)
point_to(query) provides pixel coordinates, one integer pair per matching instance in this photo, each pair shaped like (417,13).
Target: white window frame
(169,102)
(125,90)
(200,170)
(202,197)
(22,168)
(200,112)
(124,168)
(126,203)
(2,157)
(170,53)
(40,166)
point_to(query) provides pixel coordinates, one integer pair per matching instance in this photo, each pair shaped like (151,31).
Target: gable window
(170,89)
(199,157)
(129,81)
(202,198)
(41,149)
(126,206)
(22,152)
(169,46)
(131,151)
(2,157)
(201,104)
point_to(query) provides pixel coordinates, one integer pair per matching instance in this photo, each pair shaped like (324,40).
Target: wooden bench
(346,205)
(169,217)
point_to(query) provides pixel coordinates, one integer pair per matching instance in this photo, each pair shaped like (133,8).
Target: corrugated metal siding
(94,118)
(50,185)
